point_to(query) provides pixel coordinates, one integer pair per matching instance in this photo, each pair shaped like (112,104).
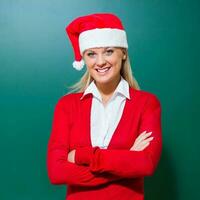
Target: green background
(35,71)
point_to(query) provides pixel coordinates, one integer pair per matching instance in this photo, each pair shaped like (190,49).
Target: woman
(107,136)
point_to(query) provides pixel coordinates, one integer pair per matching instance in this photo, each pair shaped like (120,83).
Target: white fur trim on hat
(102,37)
(78,65)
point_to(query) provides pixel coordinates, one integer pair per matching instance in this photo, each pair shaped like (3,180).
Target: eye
(90,54)
(109,52)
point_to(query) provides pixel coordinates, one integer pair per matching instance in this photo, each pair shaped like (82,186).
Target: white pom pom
(78,65)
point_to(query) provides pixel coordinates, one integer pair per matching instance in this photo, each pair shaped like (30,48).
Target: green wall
(35,70)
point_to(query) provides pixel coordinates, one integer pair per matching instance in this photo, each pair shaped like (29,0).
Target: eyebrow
(105,48)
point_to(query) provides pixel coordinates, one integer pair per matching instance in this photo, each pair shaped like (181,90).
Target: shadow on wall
(162,185)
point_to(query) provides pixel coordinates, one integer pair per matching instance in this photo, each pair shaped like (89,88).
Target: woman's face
(104,64)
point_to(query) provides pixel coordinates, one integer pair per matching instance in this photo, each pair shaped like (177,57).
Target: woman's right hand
(142,141)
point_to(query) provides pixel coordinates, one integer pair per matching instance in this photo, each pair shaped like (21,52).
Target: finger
(144,146)
(143,136)
(142,143)
(148,139)
(144,132)
(141,147)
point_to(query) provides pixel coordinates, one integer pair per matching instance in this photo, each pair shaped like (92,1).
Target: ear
(124,54)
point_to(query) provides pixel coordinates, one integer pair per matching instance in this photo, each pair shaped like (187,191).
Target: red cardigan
(104,174)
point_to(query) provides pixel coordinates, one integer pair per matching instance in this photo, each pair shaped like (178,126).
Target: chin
(103,79)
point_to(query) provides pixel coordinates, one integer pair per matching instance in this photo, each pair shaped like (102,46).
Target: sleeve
(60,170)
(126,163)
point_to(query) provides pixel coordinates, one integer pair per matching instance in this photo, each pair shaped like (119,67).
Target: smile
(103,70)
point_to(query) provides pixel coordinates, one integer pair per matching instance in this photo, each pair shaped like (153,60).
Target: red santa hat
(95,30)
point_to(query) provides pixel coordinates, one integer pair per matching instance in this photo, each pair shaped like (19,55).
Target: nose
(100,61)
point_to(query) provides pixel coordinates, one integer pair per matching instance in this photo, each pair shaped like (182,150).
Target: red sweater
(104,174)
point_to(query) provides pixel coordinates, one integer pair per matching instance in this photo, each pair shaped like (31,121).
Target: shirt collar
(122,88)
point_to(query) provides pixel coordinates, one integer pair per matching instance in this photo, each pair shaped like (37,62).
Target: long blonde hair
(126,73)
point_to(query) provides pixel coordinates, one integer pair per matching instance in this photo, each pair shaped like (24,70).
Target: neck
(108,88)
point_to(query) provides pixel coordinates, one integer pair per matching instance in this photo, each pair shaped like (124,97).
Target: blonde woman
(106,133)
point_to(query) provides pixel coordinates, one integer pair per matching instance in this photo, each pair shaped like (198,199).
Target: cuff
(83,155)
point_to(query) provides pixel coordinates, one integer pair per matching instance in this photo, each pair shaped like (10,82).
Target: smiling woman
(106,136)
(104,65)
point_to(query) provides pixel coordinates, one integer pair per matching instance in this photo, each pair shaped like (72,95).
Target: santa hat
(95,30)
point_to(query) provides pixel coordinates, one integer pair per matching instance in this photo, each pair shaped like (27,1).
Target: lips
(103,70)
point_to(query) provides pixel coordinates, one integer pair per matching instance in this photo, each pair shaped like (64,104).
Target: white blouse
(104,119)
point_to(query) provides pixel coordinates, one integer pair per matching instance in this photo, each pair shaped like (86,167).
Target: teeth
(103,70)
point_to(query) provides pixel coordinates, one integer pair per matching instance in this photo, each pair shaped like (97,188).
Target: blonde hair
(126,73)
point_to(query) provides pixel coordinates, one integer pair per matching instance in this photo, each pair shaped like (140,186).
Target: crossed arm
(91,166)
(141,142)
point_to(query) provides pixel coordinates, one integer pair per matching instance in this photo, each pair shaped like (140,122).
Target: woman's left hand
(71,156)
